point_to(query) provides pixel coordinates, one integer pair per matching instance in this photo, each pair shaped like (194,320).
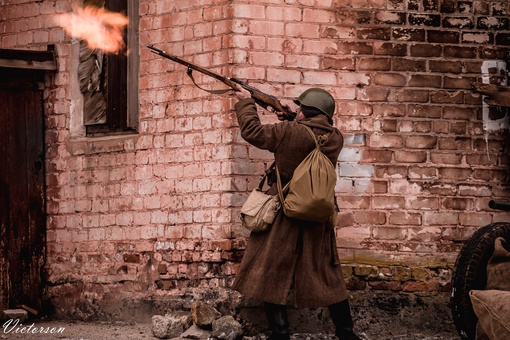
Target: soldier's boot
(277,321)
(341,315)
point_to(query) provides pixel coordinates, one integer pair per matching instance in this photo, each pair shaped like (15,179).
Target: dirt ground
(142,331)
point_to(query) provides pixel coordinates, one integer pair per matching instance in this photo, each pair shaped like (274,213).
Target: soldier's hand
(286,116)
(242,93)
(282,115)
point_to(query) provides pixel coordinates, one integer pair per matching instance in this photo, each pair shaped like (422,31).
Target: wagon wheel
(470,273)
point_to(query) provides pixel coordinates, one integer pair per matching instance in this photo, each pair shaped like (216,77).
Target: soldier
(293,254)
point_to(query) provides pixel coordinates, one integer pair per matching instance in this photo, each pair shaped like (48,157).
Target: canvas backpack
(310,194)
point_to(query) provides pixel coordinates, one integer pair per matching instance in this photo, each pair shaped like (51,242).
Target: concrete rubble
(204,322)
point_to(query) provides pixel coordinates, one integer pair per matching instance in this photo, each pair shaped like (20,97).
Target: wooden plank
(4,198)
(18,256)
(496,95)
(35,239)
(22,214)
(29,65)
(27,59)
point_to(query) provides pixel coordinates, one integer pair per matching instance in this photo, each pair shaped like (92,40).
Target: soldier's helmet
(319,99)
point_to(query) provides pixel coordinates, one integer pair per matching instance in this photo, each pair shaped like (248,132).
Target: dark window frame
(122,76)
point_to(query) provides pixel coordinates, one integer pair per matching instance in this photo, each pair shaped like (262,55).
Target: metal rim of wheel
(471,273)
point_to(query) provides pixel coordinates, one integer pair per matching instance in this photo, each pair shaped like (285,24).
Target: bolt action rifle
(263,99)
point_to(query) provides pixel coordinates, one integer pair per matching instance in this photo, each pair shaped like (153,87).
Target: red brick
(380,33)
(423,126)
(445,66)
(481,160)
(353,202)
(389,125)
(443,37)
(373,94)
(458,128)
(392,49)
(424,80)
(390,18)
(490,175)
(426,50)
(474,219)
(395,171)
(457,203)
(410,157)
(424,111)
(389,233)
(447,97)
(484,38)
(337,63)
(377,156)
(455,143)
(390,110)
(432,20)
(370,217)
(388,79)
(422,203)
(386,285)
(375,64)
(462,82)
(458,113)
(300,30)
(458,174)
(356,285)
(408,34)
(446,158)
(404,218)
(492,23)
(420,142)
(416,96)
(404,64)
(430,286)
(386,141)
(355,48)
(317,15)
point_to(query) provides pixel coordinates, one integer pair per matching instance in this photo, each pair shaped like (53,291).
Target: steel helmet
(319,99)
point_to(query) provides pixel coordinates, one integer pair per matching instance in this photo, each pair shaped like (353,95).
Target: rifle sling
(190,74)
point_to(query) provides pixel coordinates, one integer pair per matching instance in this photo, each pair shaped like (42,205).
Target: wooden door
(22,198)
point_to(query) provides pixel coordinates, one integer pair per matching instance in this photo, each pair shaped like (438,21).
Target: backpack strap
(281,191)
(319,141)
(268,175)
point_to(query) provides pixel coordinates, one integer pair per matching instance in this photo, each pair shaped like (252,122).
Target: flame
(100,28)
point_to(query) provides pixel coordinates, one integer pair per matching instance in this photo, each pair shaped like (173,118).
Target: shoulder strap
(281,191)
(190,74)
(267,174)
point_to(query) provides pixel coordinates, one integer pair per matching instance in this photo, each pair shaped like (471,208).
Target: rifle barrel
(261,98)
(499,205)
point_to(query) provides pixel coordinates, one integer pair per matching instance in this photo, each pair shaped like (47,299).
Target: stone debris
(15,314)
(170,325)
(226,328)
(203,314)
(196,333)
(204,322)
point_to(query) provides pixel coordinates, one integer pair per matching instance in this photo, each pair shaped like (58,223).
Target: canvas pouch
(260,209)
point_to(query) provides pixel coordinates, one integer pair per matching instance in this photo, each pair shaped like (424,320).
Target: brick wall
(153,217)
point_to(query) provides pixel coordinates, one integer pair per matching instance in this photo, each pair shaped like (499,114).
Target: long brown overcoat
(293,255)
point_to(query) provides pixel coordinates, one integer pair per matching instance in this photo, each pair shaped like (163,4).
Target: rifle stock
(263,99)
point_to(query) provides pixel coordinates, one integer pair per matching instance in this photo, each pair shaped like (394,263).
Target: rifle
(263,99)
